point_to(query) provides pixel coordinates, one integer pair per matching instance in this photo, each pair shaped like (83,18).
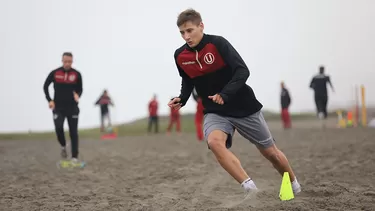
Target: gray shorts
(253,128)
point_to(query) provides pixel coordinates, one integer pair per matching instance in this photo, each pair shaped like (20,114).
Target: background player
(285,101)
(104,101)
(153,114)
(174,118)
(319,85)
(199,115)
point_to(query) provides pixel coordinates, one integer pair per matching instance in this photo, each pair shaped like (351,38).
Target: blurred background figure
(199,116)
(153,114)
(285,103)
(174,118)
(104,101)
(319,85)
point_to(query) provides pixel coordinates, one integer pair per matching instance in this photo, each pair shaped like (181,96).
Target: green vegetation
(139,127)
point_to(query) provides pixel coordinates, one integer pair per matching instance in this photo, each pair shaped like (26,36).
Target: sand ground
(336,168)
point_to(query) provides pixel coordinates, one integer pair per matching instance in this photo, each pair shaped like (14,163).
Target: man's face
(67,62)
(192,33)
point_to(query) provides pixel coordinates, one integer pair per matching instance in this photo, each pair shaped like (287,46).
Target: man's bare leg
(216,142)
(278,160)
(280,163)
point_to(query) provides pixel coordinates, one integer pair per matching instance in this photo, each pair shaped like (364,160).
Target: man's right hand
(175,103)
(51,104)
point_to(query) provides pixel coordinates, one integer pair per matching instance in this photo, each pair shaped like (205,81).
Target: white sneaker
(321,115)
(74,160)
(296,187)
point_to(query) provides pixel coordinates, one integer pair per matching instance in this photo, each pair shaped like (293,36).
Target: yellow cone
(286,191)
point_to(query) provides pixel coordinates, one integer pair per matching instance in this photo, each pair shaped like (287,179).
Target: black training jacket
(285,99)
(215,67)
(65,83)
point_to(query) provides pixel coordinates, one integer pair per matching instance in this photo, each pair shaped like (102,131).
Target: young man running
(213,66)
(68,89)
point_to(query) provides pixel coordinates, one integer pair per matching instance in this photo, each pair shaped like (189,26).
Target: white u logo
(209,58)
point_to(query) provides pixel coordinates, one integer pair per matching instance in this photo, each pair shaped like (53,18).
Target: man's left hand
(217,99)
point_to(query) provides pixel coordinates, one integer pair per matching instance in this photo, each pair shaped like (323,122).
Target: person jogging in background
(285,103)
(319,85)
(174,118)
(213,66)
(153,115)
(199,115)
(68,89)
(104,101)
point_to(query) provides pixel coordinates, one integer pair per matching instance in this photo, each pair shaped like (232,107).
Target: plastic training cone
(286,191)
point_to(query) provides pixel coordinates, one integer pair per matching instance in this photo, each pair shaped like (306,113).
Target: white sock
(295,184)
(62,147)
(248,184)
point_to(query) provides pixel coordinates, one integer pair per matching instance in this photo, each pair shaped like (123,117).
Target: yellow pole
(364,115)
(356,107)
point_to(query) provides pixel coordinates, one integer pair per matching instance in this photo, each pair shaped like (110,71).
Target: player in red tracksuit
(199,116)
(153,114)
(174,119)
(285,103)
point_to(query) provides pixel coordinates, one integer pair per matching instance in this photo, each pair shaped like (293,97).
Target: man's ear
(201,25)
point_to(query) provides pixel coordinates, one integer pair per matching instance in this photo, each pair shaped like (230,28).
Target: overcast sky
(127,47)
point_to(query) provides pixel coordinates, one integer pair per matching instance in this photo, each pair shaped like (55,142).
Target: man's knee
(59,129)
(59,125)
(271,153)
(217,139)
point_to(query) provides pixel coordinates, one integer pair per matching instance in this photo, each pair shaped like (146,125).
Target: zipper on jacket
(66,76)
(196,57)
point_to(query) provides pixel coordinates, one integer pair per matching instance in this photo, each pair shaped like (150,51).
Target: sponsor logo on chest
(197,63)
(66,77)
(208,59)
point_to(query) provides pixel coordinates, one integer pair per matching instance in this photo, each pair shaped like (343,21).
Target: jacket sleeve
(97,101)
(240,72)
(330,82)
(186,84)
(312,83)
(195,95)
(289,99)
(47,82)
(79,88)
(111,102)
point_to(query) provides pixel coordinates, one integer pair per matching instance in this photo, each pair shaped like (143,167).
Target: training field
(336,168)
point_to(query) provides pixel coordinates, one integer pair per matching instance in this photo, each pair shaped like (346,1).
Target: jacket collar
(200,45)
(63,69)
